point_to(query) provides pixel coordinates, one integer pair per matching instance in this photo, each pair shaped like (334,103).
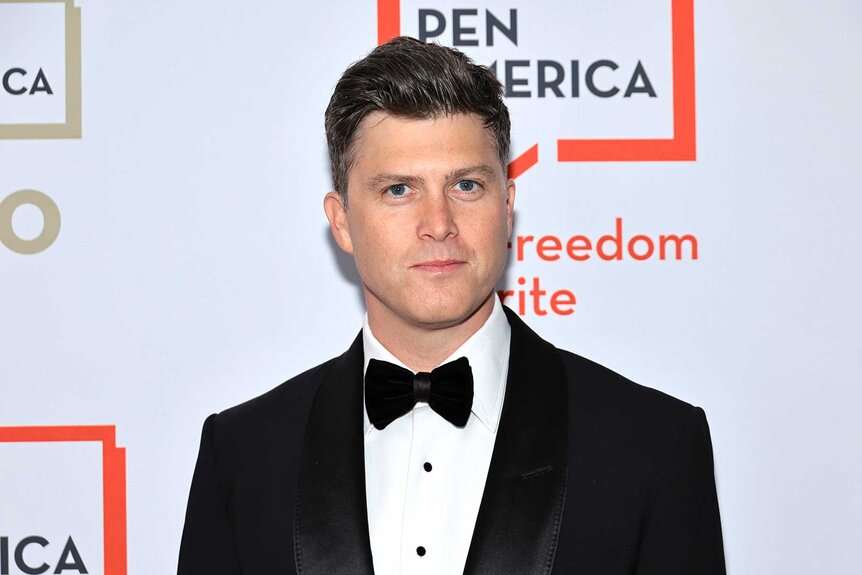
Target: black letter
(511,32)
(552,84)
(4,556)
(6,77)
(457,30)
(591,86)
(576,79)
(19,555)
(41,84)
(646,88)
(78,564)
(424,33)
(512,82)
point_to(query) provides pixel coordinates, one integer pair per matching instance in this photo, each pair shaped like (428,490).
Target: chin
(445,313)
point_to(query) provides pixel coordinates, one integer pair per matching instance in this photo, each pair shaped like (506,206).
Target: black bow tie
(391,391)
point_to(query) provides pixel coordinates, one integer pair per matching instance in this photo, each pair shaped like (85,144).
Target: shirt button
(427,466)
(420,551)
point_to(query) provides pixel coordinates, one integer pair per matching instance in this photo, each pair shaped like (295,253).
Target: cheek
(377,247)
(495,231)
(362,232)
(381,243)
(498,243)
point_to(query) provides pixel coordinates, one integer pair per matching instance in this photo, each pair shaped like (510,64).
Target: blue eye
(397,190)
(467,186)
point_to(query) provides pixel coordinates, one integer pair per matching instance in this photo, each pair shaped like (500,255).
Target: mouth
(439,267)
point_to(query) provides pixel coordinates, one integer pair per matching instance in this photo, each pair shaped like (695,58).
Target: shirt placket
(420,546)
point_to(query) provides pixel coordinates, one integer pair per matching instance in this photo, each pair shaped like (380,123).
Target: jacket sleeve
(208,544)
(683,534)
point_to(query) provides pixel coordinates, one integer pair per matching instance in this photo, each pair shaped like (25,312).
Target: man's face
(428,218)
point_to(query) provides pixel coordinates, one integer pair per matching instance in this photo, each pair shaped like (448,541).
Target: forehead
(386,142)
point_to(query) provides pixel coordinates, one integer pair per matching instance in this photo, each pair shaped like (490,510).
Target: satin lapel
(519,517)
(331,528)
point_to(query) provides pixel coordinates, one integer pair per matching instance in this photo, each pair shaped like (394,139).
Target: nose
(437,219)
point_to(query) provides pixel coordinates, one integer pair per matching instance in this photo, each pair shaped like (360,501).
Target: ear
(510,205)
(336,213)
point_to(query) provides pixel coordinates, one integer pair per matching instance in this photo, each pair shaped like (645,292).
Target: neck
(423,348)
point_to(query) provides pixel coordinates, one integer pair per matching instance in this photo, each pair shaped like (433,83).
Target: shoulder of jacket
(289,401)
(597,388)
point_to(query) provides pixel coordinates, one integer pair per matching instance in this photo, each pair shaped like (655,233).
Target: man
(517,457)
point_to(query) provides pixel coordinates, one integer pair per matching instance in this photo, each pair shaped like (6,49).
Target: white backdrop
(193,269)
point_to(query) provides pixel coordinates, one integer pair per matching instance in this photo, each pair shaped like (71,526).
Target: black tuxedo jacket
(591,474)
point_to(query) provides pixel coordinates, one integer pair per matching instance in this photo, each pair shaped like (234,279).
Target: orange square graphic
(681,147)
(113,479)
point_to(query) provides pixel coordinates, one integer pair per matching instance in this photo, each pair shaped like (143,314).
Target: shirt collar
(487,350)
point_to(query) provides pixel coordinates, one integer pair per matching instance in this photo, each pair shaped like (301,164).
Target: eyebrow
(386,177)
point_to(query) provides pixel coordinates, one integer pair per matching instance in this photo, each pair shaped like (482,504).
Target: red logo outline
(681,147)
(113,480)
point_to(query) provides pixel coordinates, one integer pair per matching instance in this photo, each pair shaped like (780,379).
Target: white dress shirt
(424,477)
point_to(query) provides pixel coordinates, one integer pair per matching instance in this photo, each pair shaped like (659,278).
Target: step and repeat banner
(687,214)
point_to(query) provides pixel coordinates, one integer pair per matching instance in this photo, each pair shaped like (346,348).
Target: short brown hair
(411,79)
